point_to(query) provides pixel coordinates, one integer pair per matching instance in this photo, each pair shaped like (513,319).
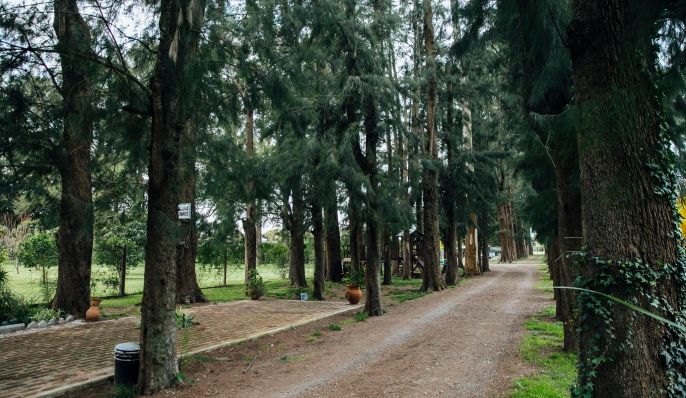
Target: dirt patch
(462,342)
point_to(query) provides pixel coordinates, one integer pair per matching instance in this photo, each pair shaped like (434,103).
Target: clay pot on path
(353,294)
(93,313)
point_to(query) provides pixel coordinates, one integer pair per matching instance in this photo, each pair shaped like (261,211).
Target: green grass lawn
(27,283)
(542,347)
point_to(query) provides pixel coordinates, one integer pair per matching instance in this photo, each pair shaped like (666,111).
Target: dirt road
(462,342)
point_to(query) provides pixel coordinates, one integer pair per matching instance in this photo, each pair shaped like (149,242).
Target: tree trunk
(296,229)
(122,272)
(460,252)
(333,234)
(179,28)
(485,251)
(249,228)
(368,163)
(319,257)
(432,278)
(226,266)
(407,256)
(569,232)
(627,202)
(355,236)
(187,288)
(75,234)
(471,267)
(387,263)
(450,247)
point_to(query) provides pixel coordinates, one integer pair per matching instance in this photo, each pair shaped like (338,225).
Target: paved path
(461,342)
(53,361)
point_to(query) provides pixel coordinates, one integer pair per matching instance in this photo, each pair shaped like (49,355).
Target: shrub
(254,287)
(354,278)
(39,251)
(12,308)
(334,327)
(275,254)
(46,314)
(183,321)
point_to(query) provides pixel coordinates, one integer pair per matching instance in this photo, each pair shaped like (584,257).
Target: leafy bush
(184,321)
(119,243)
(275,254)
(46,314)
(12,308)
(354,278)
(254,287)
(39,251)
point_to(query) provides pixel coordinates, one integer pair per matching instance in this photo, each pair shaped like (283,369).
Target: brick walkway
(53,361)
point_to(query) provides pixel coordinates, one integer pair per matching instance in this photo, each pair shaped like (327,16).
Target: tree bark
(319,255)
(627,203)
(249,227)
(368,163)
(387,263)
(187,288)
(450,243)
(432,278)
(75,234)
(295,224)
(569,233)
(179,27)
(333,234)
(122,272)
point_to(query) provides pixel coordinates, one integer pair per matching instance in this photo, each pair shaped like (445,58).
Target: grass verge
(542,347)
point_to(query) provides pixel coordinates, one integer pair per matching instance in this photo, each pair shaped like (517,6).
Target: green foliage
(542,347)
(405,295)
(183,321)
(334,327)
(361,316)
(254,287)
(354,278)
(627,281)
(124,391)
(275,253)
(39,251)
(12,308)
(46,314)
(120,243)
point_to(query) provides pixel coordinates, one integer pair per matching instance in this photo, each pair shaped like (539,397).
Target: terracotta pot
(353,294)
(93,313)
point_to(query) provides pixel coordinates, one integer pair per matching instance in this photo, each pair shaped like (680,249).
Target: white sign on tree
(184,211)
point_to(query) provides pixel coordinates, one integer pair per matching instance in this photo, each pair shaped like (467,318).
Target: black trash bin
(126,362)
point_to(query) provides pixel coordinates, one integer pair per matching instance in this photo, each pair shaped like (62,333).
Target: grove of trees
(380,130)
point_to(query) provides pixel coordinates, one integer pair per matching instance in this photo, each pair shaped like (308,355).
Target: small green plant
(46,314)
(361,316)
(254,287)
(334,327)
(13,308)
(39,252)
(290,358)
(314,336)
(184,321)
(124,391)
(354,278)
(184,378)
